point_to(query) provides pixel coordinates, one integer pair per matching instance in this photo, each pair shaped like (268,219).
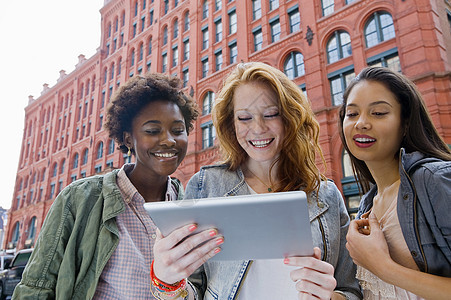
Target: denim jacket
(78,237)
(424,205)
(329,224)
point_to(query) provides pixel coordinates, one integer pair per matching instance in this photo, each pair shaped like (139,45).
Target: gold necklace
(267,186)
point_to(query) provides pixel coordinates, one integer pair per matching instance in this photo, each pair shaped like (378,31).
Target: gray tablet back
(260,226)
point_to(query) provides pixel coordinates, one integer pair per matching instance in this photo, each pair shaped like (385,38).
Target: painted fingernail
(213,232)
(219,241)
(286,261)
(192,227)
(217,250)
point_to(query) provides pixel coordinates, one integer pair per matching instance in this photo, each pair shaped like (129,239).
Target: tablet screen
(258,226)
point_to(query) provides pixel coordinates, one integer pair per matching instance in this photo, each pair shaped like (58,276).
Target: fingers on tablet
(199,248)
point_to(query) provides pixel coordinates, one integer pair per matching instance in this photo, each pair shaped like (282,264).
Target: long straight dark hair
(419,131)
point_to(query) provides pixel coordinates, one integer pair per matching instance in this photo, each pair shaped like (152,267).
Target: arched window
(119,67)
(132,58)
(15,236)
(88,84)
(141,52)
(43,175)
(82,90)
(186,21)
(176,29)
(165,35)
(85,156)
(55,169)
(75,161)
(166,6)
(205,9)
(32,229)
(116,24)
(294,65)
(339,46)
(149,52)
(112,71)
(111,147)
(100,150)
(207,103)
(63,165)
(379,28)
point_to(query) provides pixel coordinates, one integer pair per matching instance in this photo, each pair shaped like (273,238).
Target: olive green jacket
(77,239)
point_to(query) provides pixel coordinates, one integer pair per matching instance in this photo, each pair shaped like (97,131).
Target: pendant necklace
(267,186)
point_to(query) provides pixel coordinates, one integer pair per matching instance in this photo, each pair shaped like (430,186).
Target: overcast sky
(37,40)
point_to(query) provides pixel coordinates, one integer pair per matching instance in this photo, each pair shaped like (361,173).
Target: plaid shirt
(127,273)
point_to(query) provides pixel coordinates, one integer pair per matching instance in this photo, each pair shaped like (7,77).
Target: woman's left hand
(367,245)
(315,278)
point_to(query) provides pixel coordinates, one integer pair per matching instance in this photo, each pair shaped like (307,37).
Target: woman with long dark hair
(401,240)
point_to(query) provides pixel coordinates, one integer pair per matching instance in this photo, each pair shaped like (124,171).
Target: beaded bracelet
(163,291)
(164,287)
(161,295)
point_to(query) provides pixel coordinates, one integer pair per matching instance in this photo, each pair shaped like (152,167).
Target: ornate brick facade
(320,45)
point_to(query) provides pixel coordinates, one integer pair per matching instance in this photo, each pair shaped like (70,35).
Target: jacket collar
(111,194)
(407,163)
(316,206)
(410,160)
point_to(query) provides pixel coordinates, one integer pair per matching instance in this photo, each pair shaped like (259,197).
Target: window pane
(371,34)
(388,30)
(218,31)
(299,62)
(186,50)
(328,7)
(258,40)
(273,4)
(205,39)
(345,40)
(256,9)
(233,54)
(394,64)
(332,50)
(348,78)
(275,31)
(295,21)
(337,91)
(218,61)
(289,70)
(205,137)
(232,22)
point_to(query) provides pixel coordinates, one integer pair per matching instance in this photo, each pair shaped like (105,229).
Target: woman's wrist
(164,291)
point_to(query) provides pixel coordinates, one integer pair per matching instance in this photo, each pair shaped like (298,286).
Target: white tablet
(259,226)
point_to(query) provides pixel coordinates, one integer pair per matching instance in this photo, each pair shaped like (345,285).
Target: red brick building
(321,45)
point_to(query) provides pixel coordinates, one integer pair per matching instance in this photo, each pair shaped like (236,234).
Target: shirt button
(414,253)
(405,197)
(154,236)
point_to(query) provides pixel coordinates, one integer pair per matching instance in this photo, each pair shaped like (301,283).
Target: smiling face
(159,138)
(258,124)
(372,125)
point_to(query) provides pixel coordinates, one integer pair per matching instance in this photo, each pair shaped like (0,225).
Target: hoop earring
(129,153)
